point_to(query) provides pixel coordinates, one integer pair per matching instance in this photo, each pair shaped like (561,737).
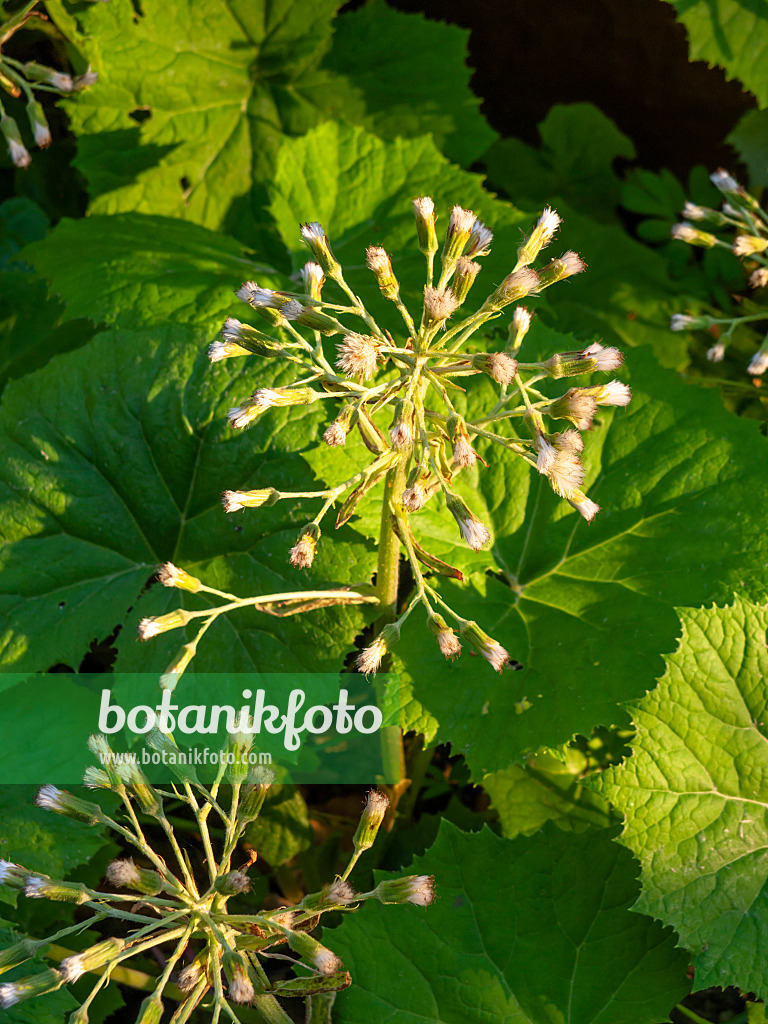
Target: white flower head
(83,81)
(474,532)
(480,239)
(521,320)
(421,890)
(189,976)
(327,962)
(758,364)
(50,798)
(606,358)
(614,393)
(313,279)
(448,643)
(401,435)
(42,134)
(501,367)
(303,552)
(241,416)
(548,223)
(681,322)
(759,278)
(341,892)
(748,245)
(518,284)
(461,221)
(219,350)
(423,206)
(569,440)
(256,296)
(546,454)
(566,474)
(313,232)
(716,353)
(584,505)
(233,501)
(693,212)
(369,660)
(36,887)
(723,181)
(18,153)
(72,968)
(571,263)
(10,994)
(240,987)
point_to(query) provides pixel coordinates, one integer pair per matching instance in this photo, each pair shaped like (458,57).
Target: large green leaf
(116,455)
(546,937)
(695,794)
(732,34)
(750,140)
(194,98)
(282,829)
(589,608)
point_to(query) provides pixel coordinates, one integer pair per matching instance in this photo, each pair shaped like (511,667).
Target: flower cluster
(746,223)
(216,958)
(17,78)
(397,391)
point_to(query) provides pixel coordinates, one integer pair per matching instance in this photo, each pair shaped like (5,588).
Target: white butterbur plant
(214,959)
(740,225)
(397,387)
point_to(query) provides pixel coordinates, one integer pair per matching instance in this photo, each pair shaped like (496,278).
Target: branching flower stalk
(217,959)
(20,79)
(397,390)
(746,223)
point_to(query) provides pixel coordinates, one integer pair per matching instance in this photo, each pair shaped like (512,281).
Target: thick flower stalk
(19,79)
(396,388)
(213,958)
(745,222)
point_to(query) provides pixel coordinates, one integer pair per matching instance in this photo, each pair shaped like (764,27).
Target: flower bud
(19,953)
(414,497)
(239,338)
(236,970)
(379,262)
(50,798)
(479,641)
(748,245)
(424,212)
(336,434)
(171,576)
(312,317)
(759,362)
(583,505)
(261,298)
(252,799)
(518,328)
(464,277)
(39,124)
(401,430)
(243,415)
(480,239)
(34,72)
(577,405)
(269,398)
(464,455)
(13,992)
(233,883)
(514,287)
(545,450)
(12,875)
(40,888)
(473,530)
(74,967)
(303,551)
(16,149)
(541,236)
(716,353)
(456,237)
(416,889)
(369,660)
(567,265)
(315,952)
(156,624)
(190,975)
(313,279)
(726,184)
(447,640)
(315,238)
(124,874)
(134,778)
(178,666)
(685,232)
(338,894)
(376,804)
(151,1010)
(594,357)
(233,501)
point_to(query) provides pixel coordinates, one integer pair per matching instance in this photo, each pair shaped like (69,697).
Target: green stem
(691,1015)
(388,569)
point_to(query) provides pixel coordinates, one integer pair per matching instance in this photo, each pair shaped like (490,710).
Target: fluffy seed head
(462,221)
(358,354)
(571,263)
(448,643)
(464,454)
(341,892)
(122,872)
(336,434)
(759,278)
(566,473)
(569,440)
(518,284)
(546,453)
(439,304)
(414,498)
(327,962)
(189,976)
(240,987)
(401,435)
(502,367)
(369,660)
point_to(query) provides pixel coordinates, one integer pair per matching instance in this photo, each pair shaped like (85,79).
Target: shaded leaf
(546,935)
(282,829)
